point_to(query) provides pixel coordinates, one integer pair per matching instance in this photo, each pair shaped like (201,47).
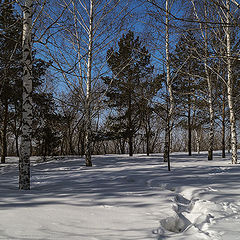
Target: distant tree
(45,124)
(130,88)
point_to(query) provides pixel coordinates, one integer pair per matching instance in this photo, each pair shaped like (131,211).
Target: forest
(90,77)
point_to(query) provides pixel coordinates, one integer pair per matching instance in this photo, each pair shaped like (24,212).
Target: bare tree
(204,34)
(86,30)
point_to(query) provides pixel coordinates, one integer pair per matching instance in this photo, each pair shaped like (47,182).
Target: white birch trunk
(211,113)
(209,82)
(230,88)
(198,139)
(210,98)
(88,147)
(170,92)
(25,149)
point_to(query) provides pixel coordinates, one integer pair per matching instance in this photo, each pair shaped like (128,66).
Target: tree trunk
(198,141)
(130,143)
(130,125)
(223,125)
(211,130)
(88,117)
(148,133)
(148,144)
(4,133)
(16,143)
(170,92)
(122,145)
(230,88)
(189,129)
(25,149)
(209,83)
(166,155)
(210,98)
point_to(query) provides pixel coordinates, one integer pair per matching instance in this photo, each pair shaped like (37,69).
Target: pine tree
(188,81)
(129,86)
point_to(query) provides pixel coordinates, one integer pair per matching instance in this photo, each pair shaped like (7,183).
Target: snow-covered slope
(123,198)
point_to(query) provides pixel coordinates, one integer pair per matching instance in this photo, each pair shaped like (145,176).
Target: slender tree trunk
(230,88)
(198,141)
(210,98)
(130,134)
(211,130)
(170,92)
(209,82)
(189,128)
(130,143)
(148,144)
(130,125)
(147,132)
(223,125)
(4,133)
(88,117)
(25,149)
(16,143)
(122,146)
(166,155)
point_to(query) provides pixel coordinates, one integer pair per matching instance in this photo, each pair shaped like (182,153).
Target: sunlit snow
(123,198)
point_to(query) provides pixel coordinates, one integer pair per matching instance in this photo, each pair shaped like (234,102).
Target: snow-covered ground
(123,198)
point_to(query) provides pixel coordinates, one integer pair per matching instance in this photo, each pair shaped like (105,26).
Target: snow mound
(176,224)
(191,215)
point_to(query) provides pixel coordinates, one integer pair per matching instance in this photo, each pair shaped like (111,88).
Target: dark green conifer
(129,87)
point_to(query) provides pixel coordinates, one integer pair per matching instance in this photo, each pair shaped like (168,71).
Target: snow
(123,198)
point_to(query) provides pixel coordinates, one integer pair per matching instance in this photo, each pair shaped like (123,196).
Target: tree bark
(4,133)
(148,143)
(230,88)
(189,128)
(210,98)
(88,114)
(25,149)
(198,136)
(170,92)
(223,126)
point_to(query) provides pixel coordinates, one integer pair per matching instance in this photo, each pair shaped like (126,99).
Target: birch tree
(226,19)
(170,92)
(204,33)
(162,15)
(86,31)
(230,86)
(25,148)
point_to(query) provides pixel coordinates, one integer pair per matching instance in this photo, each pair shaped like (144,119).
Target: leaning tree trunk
(25,149)
(88,118)
(230,88)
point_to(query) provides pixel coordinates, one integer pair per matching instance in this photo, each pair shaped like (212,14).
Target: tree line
(100,76)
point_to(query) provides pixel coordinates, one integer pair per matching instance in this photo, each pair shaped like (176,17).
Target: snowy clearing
(123,197)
